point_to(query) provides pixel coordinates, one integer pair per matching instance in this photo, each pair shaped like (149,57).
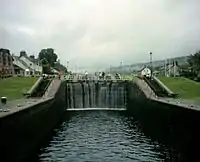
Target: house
(19,67)
(26,66)
(145,71)
(6,63)
(18,70)
(171,69)
(32,64)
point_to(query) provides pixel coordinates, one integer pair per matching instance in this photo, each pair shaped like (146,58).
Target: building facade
(146,72)
(6,63)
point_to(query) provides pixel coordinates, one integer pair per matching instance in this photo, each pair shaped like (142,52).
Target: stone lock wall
(22,133)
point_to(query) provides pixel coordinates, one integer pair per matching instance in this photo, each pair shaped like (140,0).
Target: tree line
(192,70)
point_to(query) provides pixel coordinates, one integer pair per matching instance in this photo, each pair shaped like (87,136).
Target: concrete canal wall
(22,132)
(165,120)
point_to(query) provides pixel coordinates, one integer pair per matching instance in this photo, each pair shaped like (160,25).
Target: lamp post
(121,63)
(68,66)
(151,65)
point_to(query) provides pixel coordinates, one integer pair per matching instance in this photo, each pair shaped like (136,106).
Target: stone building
(6,63)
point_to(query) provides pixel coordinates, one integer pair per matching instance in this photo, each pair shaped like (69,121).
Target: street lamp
(68,66)
(151,65)
(121,63)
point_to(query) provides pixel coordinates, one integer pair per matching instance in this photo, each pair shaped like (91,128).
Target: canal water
(101,136)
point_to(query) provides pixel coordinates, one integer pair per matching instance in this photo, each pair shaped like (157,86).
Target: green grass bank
(13,87)
(186,88)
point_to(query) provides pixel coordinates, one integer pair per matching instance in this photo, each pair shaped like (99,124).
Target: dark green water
(102,136)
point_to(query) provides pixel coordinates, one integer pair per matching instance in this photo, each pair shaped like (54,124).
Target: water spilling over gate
(96,96)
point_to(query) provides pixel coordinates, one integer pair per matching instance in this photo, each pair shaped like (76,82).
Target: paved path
(145,88)
(17,105)
(181,102)
(52,88)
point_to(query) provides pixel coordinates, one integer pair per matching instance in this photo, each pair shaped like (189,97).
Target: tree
(23,53)
(49,55)
(49,58)
(194,62)
(176,63)
(46,69)
(59,67)
(194,66)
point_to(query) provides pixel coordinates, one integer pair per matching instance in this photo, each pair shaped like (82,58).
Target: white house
(145,72)
(35,67)
(24,66)
(19,67)
(173,70)
(27,72)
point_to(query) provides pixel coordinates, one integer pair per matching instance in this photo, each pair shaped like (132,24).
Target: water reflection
(102,136)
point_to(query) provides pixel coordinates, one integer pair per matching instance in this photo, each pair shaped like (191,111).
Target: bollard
(3,100)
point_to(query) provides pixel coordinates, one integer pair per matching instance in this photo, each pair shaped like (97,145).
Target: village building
(6,63)
(170,70)
(145,71)
(25,66)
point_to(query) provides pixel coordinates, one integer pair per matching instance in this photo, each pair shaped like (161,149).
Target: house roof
(143,67)
(17,67)
(25,65)
(33,60)
(4,50)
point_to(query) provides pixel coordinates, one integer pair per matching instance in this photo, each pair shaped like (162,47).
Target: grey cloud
(98,33)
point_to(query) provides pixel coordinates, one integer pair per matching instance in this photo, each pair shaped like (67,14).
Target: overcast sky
(96,33)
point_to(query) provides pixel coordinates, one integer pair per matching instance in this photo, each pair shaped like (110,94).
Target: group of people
(101,75)
(117,76)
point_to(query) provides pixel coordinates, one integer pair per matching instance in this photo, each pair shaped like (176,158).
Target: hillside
(135,67)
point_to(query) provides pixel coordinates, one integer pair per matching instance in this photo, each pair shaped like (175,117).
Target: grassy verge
(13,87)
(187,89)
(128,77)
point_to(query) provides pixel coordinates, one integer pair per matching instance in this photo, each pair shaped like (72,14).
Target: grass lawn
(13,87)
(186,88)
(128,77)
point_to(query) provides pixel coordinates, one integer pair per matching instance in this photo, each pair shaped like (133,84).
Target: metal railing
(81,78)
